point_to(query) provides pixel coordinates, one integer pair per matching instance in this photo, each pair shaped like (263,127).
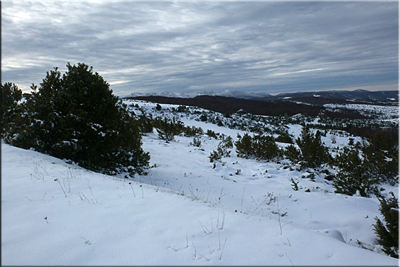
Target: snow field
(390,113)
(185,212)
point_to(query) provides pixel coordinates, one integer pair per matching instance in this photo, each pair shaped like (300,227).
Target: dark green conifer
(244,146)
(167,129)
(354,175)
(382,154)
(313,152)
(10,96)
(76,117)
(388,233)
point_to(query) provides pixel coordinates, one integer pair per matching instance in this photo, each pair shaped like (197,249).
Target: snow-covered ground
(390,113)
(184,212)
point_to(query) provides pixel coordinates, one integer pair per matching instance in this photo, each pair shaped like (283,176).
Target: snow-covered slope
(389,113)
(185,212)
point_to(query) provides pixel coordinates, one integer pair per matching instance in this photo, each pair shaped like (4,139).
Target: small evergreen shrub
(284,138)
(222,149)
(182,108)
(313,152)
(244,146)
(190,131)
(388,233)
(354,174)
(211,134)
(168,129)
(145,124)
(382,155)
(227,142)
(216,155)
(292,153)
(196,142)
(295,185)
(259,147)
(266,148)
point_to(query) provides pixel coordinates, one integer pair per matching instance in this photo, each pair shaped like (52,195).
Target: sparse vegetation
(222,149)
(290,152)
(196,142)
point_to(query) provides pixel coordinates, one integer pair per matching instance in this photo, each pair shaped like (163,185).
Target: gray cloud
(162,46)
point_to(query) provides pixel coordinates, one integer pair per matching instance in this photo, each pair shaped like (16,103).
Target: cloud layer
(183,46)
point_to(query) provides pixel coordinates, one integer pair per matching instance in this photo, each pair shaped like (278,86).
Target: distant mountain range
(226,93)
(320,97)
(355,96)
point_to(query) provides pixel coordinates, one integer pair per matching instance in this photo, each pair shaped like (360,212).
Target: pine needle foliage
(260,147)
(167,129)
(10,96)
(382,153)
(313,152)
(76,117)
(388,233)
(354,174)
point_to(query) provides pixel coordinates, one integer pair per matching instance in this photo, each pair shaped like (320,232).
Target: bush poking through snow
(388,234)
(382,155)
(196,142)
(313,152)
(292,153)
(295,185)
(222,149)
(168,129)
(212,134)
(192,131)
(354,174)
(260,147)
(284,137)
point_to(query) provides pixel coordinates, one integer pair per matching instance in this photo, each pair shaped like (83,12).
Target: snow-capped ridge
(188,94)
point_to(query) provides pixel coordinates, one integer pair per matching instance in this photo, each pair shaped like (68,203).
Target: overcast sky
(270,47)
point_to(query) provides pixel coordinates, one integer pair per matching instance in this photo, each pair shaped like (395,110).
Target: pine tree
(354,174)
(265,147)
(313,152)
(292,153)
(382,154)
(167,129)
(244,146)
(388,234)
(76,117)
(260,147)
(10,96)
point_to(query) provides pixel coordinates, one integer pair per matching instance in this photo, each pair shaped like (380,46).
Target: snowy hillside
(388,113)
(186,211)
